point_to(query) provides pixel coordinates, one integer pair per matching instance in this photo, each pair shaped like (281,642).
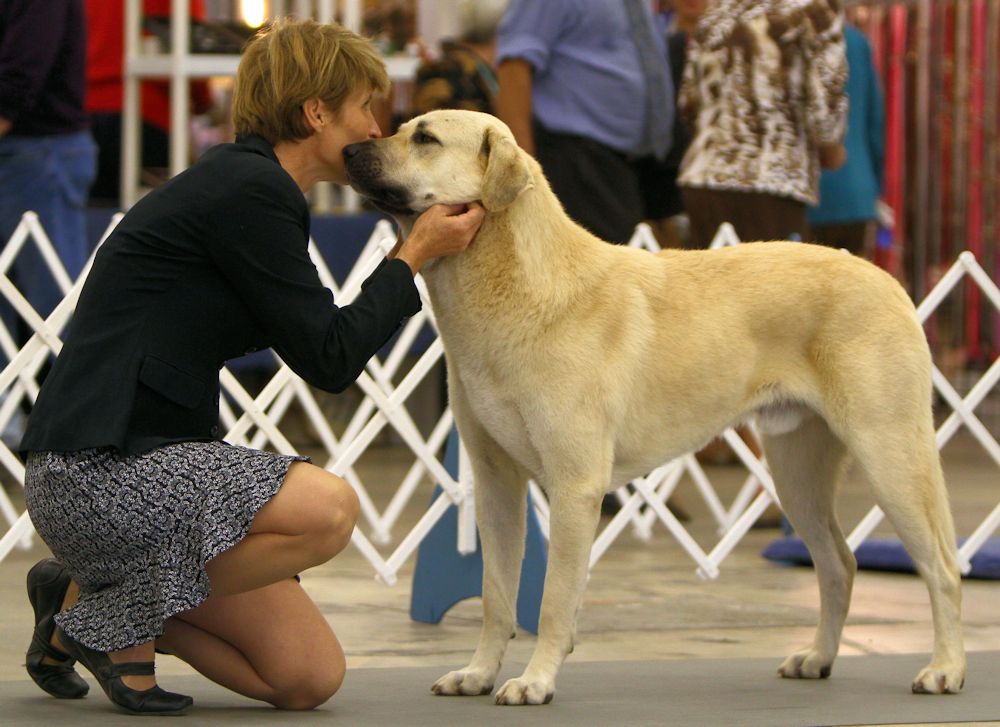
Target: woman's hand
(439,231)
(832,156)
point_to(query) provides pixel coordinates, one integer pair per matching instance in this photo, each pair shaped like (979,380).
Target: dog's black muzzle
(364,171)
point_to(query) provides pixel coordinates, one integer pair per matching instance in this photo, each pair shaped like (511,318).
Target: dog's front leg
(574,515)
(501,503)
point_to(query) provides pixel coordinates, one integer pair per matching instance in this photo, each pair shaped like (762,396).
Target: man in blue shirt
(585,86)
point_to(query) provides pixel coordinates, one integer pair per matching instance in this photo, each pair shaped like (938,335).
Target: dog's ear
(507,173)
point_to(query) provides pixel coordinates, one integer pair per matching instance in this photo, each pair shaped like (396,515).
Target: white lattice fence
(17,380)
(385,388)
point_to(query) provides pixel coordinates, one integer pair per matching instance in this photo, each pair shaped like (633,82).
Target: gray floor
(656,644)
(701,692)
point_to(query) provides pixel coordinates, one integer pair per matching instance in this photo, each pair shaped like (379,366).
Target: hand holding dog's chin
(440,231)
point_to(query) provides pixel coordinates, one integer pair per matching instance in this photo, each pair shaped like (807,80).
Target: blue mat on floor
(886,554)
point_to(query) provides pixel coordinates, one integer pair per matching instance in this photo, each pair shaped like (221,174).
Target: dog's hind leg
(806,464)
(501,508)
(574,514)
(904,469)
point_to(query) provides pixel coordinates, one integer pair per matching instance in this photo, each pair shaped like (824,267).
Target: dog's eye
(422,137)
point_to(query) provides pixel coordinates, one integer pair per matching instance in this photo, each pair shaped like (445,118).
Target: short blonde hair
(291,61)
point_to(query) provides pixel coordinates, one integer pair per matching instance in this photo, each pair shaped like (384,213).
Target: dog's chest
(500,410)
(488,352)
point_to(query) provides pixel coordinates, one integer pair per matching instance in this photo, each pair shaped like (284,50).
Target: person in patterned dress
(763,93)
(166,538)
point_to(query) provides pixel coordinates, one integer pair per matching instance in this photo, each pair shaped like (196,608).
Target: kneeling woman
(165,537)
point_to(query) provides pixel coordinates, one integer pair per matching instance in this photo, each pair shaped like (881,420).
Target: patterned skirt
(136,531)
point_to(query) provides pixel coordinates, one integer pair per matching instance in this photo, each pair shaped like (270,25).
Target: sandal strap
(133,669)
(45,646)
(100,664)
(44,670)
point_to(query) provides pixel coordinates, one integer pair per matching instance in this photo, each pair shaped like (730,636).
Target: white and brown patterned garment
(762,90)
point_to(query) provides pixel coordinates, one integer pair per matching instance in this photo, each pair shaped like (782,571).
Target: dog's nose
(352,150)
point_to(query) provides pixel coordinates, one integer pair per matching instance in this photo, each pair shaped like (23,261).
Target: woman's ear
(315,113)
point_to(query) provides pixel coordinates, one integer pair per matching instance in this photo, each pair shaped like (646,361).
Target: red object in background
(959,217)
(889,256)
(974,225)
(105,63)
(944,19)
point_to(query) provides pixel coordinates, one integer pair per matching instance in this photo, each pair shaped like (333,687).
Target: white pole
(131,122)
(180,40)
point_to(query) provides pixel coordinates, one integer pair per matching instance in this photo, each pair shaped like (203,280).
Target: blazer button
(214,431)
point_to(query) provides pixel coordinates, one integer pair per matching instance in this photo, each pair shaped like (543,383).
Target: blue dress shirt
(588,79)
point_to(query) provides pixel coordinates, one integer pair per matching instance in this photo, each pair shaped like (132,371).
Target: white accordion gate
(256,421)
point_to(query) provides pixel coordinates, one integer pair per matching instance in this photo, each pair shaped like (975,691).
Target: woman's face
(352,123)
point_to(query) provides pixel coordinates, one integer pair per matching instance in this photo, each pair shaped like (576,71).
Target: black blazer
(210,266)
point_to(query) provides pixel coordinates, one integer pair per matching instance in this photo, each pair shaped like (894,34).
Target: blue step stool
(443,576)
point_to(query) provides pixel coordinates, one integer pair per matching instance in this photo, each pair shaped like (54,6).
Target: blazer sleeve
(261,247)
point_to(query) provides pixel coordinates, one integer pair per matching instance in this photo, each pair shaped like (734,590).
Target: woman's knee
(337,510)
(316,505)
(312,689)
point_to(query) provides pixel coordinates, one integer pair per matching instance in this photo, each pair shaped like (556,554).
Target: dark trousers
(106,129)
(848,235)
(599,187)
(755,215)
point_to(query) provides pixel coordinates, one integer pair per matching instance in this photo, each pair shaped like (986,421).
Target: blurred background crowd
(870,125)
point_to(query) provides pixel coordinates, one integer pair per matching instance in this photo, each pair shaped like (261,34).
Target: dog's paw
(806,664)
(526,691)
(464,682)
(939,680)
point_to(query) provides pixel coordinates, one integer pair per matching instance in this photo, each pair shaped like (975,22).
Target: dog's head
(448,157)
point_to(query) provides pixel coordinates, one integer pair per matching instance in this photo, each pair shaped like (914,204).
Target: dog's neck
(543,245)
(405,225)
(531,250)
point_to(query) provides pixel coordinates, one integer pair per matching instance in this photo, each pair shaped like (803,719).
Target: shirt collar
(258,144)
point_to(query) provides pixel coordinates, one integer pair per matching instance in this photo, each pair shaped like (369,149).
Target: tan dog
(583,365)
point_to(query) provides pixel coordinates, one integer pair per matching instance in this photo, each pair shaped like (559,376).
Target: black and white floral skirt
(136,531)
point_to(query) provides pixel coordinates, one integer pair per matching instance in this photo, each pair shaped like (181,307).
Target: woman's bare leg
(259,634)
(306,523)
(270,643)
(72,594)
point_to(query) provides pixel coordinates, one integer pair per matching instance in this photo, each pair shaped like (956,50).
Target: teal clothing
(849,194)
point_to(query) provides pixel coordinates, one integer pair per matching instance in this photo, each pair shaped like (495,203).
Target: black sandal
(47,583)
(152,701)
